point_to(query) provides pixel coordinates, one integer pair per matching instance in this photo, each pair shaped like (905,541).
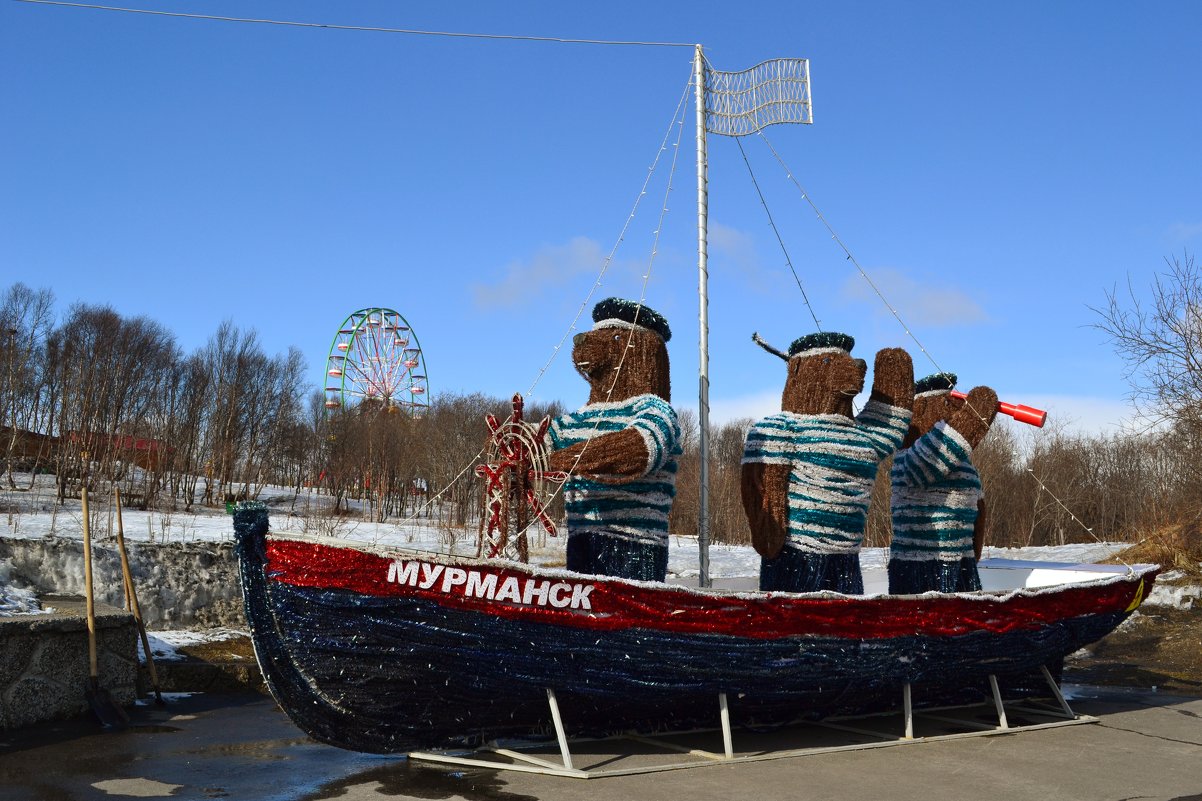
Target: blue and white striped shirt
(935,494)
(634,510)
(834,461)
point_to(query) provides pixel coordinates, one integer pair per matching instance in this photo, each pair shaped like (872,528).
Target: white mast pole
(703,401)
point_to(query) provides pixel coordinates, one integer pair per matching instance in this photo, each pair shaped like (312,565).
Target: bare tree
(26,319)
(727,522)
(1161,342)
(109,373)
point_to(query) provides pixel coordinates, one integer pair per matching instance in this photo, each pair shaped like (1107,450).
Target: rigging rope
(678,121)
(863,273)
(373,29)
(621,234)
(540,458)
(775,230)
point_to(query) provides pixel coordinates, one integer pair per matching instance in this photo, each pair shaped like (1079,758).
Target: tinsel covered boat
(386,652)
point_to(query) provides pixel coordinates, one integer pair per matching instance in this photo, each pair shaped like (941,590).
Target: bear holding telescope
(937,504)
(808,471)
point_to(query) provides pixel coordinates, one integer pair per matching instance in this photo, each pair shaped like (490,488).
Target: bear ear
(795,368)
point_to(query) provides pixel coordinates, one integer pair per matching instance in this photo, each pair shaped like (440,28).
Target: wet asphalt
(1146,746)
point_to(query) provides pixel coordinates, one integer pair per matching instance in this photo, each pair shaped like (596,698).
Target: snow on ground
(165,645)
(34,513)
(168,698)
(15,600)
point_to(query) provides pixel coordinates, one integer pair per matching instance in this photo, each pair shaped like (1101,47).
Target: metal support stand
(724,714)
(997,703)
(633,753)
(1068,712)
(559,733)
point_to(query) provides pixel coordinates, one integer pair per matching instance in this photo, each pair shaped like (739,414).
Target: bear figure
(621,448)
(808,471)
(937,505)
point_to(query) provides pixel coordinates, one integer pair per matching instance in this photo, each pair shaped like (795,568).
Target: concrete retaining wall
(44,661)
(179,585)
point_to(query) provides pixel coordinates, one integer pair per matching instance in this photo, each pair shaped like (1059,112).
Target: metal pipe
(703,399)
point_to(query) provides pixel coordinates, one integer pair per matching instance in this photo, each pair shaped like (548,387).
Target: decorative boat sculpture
(385,652)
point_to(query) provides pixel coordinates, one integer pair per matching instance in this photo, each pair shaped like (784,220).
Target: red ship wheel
(513,481)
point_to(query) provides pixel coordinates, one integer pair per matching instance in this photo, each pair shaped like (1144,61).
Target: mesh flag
(741,103)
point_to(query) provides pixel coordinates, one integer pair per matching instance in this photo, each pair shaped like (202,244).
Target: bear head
(933,403)
(823,377)
(625,355)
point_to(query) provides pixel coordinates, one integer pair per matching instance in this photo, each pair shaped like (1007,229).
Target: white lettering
(532,589)
(430,574)
(478,584)
(481,585)
(509,591)
(580,593)
(403,572)
(453,577)
(558,594)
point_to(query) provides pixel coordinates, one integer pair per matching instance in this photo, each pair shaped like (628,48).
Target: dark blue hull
(392,674)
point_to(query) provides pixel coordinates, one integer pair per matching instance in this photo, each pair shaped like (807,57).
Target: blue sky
(995,167)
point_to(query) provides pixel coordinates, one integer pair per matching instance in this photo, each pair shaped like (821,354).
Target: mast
(771,92)
(703,399)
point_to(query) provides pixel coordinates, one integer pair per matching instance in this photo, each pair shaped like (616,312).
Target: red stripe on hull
(602,604)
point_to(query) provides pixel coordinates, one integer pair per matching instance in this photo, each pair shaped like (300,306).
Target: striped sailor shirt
(834,461)
(935,494)
(635,510)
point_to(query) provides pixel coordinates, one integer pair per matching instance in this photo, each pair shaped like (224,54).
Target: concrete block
(44,661)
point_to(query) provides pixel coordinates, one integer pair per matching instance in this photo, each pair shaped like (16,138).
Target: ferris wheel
(376,358)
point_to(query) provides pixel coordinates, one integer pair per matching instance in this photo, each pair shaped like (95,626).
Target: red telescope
(1023,414)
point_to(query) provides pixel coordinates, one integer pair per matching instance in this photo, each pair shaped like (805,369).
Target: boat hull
(384,653)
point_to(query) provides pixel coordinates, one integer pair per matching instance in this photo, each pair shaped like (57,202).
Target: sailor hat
(935,384)
(619,313)
(821,342)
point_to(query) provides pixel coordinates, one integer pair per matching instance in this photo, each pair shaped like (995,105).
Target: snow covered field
(34,514)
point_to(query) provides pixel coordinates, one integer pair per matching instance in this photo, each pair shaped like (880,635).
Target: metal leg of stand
(997,703)
(1068,711)
(727,740)
(909,710)
(559,733)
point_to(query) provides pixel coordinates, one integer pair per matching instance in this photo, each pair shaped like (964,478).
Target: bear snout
(592,353)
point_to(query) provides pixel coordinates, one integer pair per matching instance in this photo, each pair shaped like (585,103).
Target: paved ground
(1147,746)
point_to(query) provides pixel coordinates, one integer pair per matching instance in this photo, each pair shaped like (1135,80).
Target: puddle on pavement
(272,750)
(403,779)
(151,729)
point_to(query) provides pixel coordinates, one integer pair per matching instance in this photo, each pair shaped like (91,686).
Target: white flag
(741,103)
